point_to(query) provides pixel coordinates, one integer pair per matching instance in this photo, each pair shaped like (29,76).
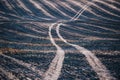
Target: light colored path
(95,63)
(56,65)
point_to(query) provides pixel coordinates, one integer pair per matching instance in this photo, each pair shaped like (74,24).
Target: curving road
(56,40)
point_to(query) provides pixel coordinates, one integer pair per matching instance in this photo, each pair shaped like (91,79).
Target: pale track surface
(99,68)
(46,27)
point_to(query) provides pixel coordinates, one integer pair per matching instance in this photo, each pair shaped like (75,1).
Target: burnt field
(59,39)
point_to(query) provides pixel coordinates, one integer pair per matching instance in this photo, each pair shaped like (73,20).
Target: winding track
(55,67)
(95,63)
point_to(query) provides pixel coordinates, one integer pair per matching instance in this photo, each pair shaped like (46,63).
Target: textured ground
(59,39)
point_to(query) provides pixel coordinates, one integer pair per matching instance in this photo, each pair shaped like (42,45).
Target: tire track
(56,65)
(95,63)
